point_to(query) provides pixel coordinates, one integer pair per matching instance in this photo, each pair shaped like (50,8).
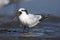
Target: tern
(28,19)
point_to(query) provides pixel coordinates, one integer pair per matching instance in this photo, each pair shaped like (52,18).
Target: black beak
(19,13)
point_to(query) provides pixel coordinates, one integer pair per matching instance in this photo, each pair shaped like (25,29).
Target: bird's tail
(44,17)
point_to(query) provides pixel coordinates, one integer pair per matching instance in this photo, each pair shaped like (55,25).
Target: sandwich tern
(28,19)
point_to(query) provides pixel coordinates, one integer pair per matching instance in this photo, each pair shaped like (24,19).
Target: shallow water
(49,28)
(45,29)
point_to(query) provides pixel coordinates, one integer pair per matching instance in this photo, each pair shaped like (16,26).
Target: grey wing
(38,17)
(35,17)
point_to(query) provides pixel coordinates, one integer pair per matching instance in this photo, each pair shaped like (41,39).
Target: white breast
(23,18)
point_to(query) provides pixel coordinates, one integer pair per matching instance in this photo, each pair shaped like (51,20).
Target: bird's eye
(22,10)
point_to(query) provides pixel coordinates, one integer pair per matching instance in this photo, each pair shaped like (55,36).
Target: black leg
(24,29)
(28,29)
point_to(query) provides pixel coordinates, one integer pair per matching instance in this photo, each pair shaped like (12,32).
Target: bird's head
(22,11)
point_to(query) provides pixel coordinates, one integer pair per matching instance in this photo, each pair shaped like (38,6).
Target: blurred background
(47,29)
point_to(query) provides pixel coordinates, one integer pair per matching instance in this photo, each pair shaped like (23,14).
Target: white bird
(28,19)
